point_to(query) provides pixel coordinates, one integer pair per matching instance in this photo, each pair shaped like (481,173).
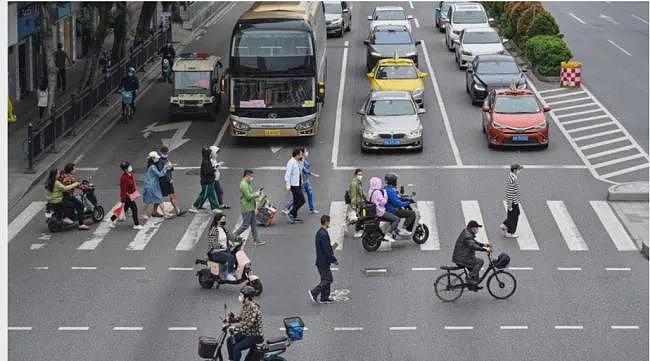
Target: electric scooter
(55,213)
(210,274)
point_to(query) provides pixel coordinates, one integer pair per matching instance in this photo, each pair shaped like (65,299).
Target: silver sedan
(391,120)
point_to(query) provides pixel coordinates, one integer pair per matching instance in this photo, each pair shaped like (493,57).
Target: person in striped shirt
(512,197)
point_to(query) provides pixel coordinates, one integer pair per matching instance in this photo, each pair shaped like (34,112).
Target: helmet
(153,154)
(391,179)
(124,165)
(131,70)
(248,291)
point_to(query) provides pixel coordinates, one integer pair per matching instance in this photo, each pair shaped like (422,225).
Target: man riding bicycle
(464,252)
(396,206)
(131,84)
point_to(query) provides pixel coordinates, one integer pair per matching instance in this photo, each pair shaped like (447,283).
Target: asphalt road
(578,305)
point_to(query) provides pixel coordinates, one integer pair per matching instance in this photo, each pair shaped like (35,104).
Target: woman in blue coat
(151,190)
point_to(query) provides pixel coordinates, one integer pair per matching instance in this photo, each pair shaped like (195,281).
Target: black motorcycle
(56,213)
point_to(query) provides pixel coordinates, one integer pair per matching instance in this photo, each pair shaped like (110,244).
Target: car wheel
(342,32)
(545,146)
(348,27)
(441,29)
(483,126)
(419,149)
(364,150)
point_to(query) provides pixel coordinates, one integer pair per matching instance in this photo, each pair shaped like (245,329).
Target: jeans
(60,78)
(393,219)
(323,288)
(224,258)
(73,203)
(207,192)
(239,343)
(474,266)
(248,220)
(298,200)
(512,218)
(409,217)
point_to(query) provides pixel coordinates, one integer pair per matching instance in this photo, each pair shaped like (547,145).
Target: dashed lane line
(640,19)
(19,328)
(127,328)
(73,328)
(620,48)
(23,218)
(568,327)
(569,268)
(402,328)
(189,328)
(520,268)
(613,226)
(624,327)
(339,106)
(84,268)
(451,328)
(348,328)
(618,268)
(181,268)
(133,268)
(514,327)
(577,19)
(41,268)
(423,269)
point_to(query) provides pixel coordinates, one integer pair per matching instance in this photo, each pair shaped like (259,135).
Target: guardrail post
(30,149)
(74,102)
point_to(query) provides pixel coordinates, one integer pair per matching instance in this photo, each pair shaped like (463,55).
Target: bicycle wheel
(449,287)
(501,284)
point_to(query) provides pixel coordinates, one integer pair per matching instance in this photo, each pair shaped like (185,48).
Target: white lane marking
(624,327)
(337,228)
(618,268)
(613,226)
(377,270)
(617,160)
(569,269)
(568,327)
(194,231)
(640,19)
(420,167)
(41,268)
(428,217)
(472,211)
(180,269)
(608,152)
(582,120)
(86,169)
(604,142)
(596,135)
(619,48)
(133,268)
(577,18)
(19,328)
(73,328)
(589,127)
(459,327)
(23,218)
(574,107)
(626,170)
(577,113)
(567,227)
(441,105)
(348,328)
(190,328)
(127,328)
(514,327)
(608,18)
(417,23)
(568,100)
(520,268)
(83,268)
(411,5)
(339,107)
(145,235)
(423,269)
(35,246)
(100,232)
(562,95)
(403,328)
(526,239)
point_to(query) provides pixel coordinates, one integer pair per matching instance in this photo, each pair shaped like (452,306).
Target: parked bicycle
(501,284)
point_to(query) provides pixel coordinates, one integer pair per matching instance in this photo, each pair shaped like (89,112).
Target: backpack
(347,198)
(367,208)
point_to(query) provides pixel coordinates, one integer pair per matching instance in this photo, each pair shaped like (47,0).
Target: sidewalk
(630,203)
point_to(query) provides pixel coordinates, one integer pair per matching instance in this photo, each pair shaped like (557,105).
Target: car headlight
(369,133)
(336,21)
(465,52)
(541,125)
(240,125)
(305,125)
(415,133)
(478,86)
(413,53)
(417,93)
(497,125)
(375,54)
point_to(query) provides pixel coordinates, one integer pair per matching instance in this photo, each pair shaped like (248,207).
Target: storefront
(23,50)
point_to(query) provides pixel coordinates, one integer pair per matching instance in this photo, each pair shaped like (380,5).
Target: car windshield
(333,8)
(397,72)
(469,17)
(391,108)
(516,105)
(481,37)
(390,15)
(497,67)
(392,37)
(192,81)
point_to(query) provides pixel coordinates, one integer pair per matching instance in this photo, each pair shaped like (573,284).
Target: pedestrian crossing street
(339,232)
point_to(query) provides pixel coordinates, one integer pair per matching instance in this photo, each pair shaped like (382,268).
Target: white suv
(462,16)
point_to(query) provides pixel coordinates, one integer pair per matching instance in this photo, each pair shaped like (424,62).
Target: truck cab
(197,86)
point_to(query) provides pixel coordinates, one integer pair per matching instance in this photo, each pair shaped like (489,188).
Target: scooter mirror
(401,189)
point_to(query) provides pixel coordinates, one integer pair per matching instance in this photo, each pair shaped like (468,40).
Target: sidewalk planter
(571,72)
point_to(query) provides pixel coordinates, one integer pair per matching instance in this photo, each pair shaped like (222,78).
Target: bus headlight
(305,125)
(240,125)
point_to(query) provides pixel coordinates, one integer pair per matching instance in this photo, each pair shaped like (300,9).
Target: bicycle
(127,105)
(450,286)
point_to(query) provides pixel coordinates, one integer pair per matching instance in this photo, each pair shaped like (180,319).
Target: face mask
(222,223)
(131,74)
(241,298)
(163,155)
(129,169)
(305,155)
(359,177)
(251,179)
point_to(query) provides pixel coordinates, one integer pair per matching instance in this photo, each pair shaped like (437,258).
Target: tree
(146,15)
(119,32)
(103,11)
(47,49)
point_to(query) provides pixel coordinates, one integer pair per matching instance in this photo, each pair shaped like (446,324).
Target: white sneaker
(193,210)
(511,235)
(111,224)
(389,237)
(358,234)
(403,233)
(504,229)
(230,277)
(138,227)
(67,220)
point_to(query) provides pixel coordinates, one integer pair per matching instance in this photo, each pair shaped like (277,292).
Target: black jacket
(207,170)
(465,247)
(324,252)
(130,83)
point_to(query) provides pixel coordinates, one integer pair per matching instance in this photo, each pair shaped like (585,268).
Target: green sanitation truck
(197,86)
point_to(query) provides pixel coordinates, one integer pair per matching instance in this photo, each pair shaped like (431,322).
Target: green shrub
(546,52)
(543,24)
(526,19)
(494,9)
(505,29)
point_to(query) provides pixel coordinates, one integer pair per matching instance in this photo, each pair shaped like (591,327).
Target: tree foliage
(543,24)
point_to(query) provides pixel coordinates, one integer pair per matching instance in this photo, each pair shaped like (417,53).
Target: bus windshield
(272,43)
(273,93)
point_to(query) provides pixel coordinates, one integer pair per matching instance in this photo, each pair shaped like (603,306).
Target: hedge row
(534,30)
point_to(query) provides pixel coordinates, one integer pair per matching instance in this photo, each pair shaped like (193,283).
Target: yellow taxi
(398,74)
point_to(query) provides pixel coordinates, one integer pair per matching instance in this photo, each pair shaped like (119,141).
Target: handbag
(135,195)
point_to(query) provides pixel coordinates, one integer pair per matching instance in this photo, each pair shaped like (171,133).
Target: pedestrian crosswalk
(189,231)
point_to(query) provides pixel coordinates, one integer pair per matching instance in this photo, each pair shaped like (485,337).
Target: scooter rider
(168,52)
(396,206)
(377,195)
(464,251)
(247,326)
(54,195)
(219,242)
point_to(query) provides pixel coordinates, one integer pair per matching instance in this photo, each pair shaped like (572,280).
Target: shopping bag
(119,211)
(135,195)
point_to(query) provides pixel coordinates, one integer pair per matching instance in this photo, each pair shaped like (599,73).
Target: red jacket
(127,186)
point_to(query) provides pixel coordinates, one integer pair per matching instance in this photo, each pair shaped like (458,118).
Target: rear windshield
(392,37)
(391,108)
(481,37)
(333,8)
(396,72)
(469,17)
(497,67)
(516,105)
(390,15)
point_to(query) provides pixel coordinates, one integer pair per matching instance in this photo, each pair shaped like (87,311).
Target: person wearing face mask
(293,181)
(166,181)
(131,84)
(246,327)
(219,242)
(465,249)
(214,150)
(512,197)
(247,196)
(356,197)
(128,194)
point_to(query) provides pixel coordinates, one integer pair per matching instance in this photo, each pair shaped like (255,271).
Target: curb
(644,249)
(629,192)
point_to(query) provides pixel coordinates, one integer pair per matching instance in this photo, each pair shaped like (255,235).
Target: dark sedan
(389,41)
(488,72)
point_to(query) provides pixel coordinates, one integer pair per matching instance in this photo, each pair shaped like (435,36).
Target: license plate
(391,142)
(272,132)
(520,138)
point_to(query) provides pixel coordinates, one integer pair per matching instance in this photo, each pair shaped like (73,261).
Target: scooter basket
(207,346)
(294,327)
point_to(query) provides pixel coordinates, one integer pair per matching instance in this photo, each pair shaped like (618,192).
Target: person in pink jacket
(377,195)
